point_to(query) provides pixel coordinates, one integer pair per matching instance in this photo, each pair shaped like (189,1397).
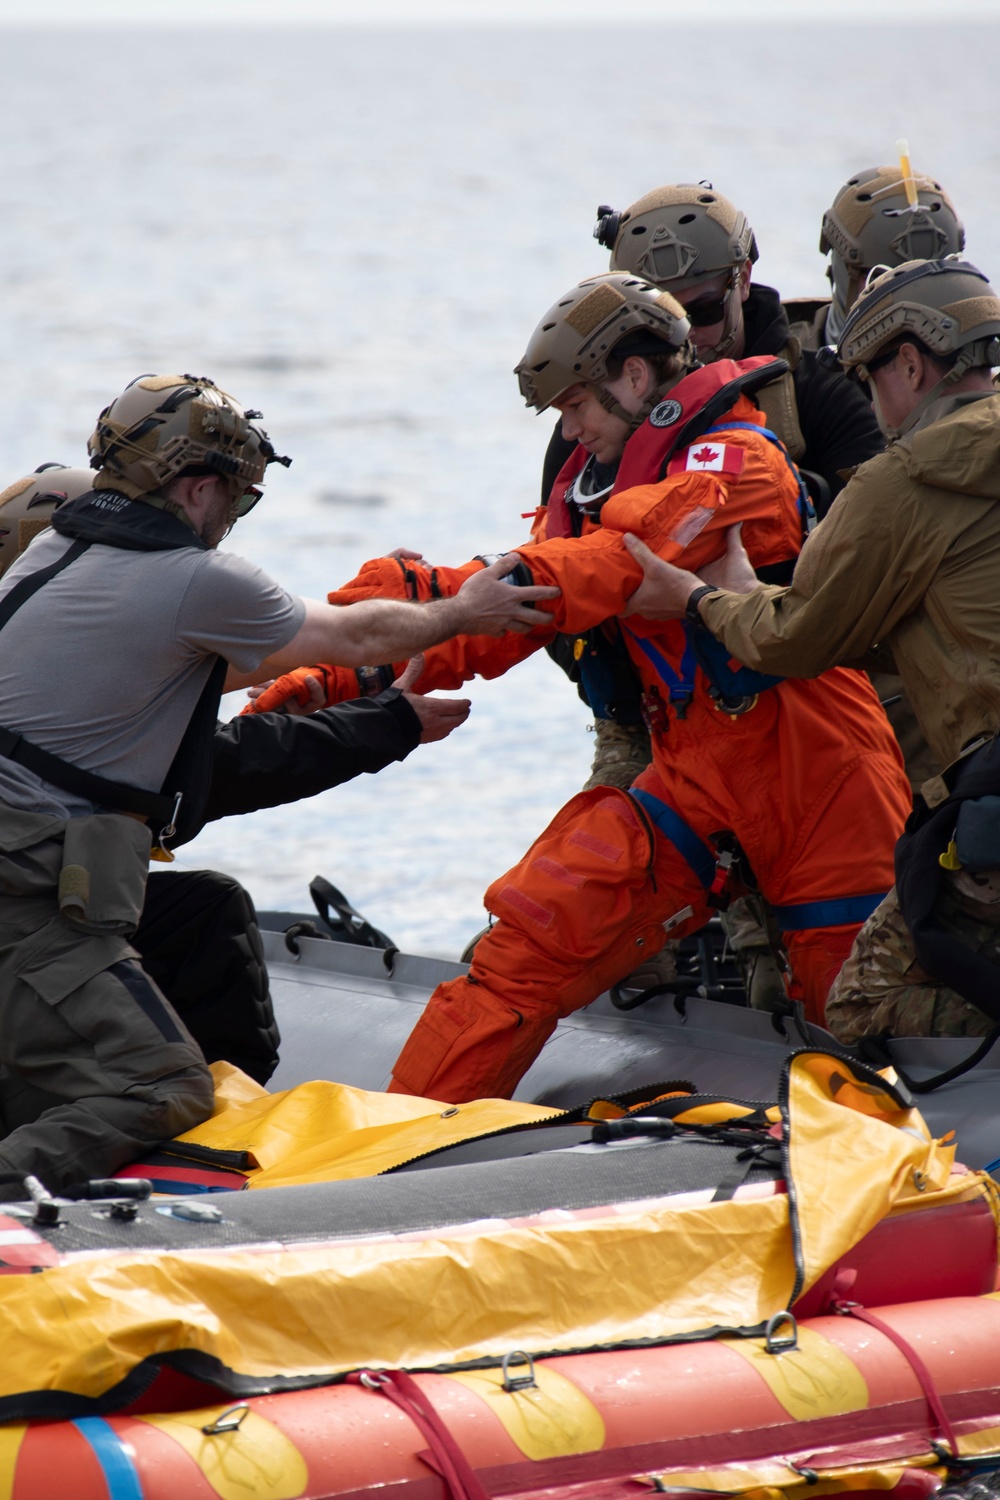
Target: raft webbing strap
(920,1370)
(838,912)
(445,1456)
(114,1457)
(683,837)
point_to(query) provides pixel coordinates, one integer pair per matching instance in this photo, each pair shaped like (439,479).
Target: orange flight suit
(805,773)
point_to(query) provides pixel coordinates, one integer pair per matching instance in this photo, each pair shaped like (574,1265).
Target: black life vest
(175,812)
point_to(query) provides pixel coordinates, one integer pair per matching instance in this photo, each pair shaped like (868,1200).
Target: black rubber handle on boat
(622,1130)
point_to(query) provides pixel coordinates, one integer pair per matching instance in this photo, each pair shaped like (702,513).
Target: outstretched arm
(381,630)
(393,630)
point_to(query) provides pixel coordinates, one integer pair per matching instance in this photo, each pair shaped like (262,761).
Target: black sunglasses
(247,501)
(709,310)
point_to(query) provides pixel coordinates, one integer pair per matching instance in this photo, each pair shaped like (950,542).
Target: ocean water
(356,230)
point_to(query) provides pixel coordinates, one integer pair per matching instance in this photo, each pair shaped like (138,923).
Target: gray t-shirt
(105,663)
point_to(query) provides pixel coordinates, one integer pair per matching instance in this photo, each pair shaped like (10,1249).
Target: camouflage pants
(882,988)
(95,1065)
(621,753)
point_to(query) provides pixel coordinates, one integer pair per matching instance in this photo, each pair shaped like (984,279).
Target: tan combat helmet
(873,223)
(163,425)
(572,343)
(26,506)
(946,305)
(678,236)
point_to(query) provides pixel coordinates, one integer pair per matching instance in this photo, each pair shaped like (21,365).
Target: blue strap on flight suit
(683,837)
(681,684)
(807,513)
(838,912)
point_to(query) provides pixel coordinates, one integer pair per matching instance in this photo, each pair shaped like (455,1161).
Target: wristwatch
(695,598)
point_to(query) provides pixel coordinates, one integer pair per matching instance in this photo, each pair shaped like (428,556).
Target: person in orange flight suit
(804,775)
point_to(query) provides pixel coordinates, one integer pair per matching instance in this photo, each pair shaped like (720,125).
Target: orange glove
(404,578)
(339,684)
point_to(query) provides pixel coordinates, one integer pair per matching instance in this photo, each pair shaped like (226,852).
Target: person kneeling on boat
(907,563)
(106,744)
(198,937)
(806,776)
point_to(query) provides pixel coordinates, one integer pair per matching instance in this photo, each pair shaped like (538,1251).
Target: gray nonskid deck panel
(431,1198)
(343,1017)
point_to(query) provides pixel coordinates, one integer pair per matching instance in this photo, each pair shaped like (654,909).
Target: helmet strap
(963,364)
(731,325)
(635,419)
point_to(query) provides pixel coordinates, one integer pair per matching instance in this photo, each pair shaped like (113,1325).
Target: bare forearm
(373,630)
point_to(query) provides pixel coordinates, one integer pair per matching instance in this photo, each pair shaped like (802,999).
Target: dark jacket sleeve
(837,421)
(265,760)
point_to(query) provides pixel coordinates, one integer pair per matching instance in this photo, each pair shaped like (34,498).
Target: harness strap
(807,512)
(681,684)
(837,912)
(116,794)
(445,1456)
(52,768)
(22,591)
(683,837)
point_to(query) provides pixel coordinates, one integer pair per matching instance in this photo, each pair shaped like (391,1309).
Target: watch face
(666,414)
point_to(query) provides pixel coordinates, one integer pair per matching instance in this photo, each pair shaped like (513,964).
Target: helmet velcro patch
(17,488)
(972,311)
(601,303)
(670,304)
(161,382)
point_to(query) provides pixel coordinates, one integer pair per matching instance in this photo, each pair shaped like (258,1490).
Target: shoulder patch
(709,457)
(666,414)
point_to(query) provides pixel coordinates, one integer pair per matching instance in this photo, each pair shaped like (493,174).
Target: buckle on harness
(734,707)
(718,894)
(160,852)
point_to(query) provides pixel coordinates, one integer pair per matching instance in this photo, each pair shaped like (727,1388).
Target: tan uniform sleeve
(866,566)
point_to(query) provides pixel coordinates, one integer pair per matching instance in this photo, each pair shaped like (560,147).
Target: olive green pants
(95,1065)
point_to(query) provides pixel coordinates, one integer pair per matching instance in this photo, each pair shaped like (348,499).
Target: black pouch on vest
(977,835)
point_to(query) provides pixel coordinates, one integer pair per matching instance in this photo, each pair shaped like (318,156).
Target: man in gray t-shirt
(106,726)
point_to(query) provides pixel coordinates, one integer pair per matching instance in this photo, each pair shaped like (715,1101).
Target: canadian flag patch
(715,458)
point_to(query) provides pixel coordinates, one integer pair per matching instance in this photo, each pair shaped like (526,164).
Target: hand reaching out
(438,716)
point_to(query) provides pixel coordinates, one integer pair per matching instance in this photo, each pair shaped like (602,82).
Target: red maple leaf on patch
(705,456)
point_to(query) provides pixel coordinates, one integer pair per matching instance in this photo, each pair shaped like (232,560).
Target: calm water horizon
(356,230)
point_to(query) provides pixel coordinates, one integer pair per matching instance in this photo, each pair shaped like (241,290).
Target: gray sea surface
(357,230)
